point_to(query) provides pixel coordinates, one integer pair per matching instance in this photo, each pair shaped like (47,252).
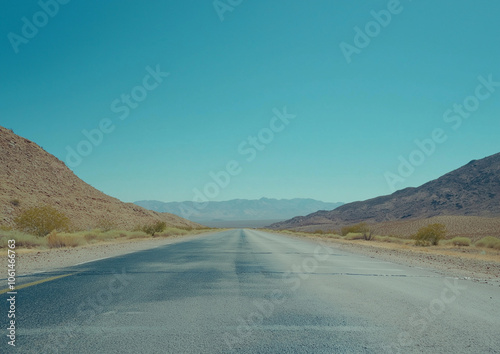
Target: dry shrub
(41,220)
(489,242)
(354,229)
(153,228)
(57,241)
(430,235)
(460,241)
(361,228)
(106,224)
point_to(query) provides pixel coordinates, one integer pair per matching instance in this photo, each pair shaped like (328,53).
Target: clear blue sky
(356,113)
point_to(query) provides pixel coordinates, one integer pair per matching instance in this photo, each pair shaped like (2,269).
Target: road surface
(247,291)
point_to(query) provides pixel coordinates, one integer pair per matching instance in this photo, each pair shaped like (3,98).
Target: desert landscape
(234,176)
(103,226)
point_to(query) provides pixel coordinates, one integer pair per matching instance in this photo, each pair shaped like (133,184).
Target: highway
(247,291)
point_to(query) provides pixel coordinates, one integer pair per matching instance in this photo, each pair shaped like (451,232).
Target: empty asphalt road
(246,291)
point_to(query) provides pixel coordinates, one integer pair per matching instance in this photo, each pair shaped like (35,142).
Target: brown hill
(472,190)
(30,176)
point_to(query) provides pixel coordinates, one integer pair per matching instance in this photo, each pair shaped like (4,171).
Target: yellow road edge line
(37,282)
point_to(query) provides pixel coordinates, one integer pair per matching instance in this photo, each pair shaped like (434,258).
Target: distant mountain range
(242,209)
(471,190)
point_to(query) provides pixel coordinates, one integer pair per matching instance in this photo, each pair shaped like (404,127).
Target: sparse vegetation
(430,235)
(354,236)
(56,241)
(354,229)
(137,234)
(391,239)
(5,228)
(15,202)
(65,239)
(368,235)
(23,240)
(90,237)
(488,242)
(42,220)
(106,224)
(361,228)
(460,241)
(155,227)
(174,231)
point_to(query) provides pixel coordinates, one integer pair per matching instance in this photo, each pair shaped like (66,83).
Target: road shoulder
(464,267)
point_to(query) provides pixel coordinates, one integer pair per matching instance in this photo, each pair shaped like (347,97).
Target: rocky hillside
(30,176)
(471,190)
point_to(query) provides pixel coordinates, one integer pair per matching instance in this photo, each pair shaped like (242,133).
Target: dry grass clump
(333,235)
(173,231)
(98,235)
(90,237)
(57,241)
(354,229)
(137,234)
(353,236)
(460,241)
(22,239)
(392,239)
(489,242)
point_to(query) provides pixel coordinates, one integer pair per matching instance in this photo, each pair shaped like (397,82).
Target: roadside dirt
(467,263)
(30,261)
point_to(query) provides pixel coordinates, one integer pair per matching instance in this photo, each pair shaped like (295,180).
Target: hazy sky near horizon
(332,100)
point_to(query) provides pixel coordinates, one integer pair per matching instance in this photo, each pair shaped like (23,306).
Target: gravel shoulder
(29,261)
(465,263)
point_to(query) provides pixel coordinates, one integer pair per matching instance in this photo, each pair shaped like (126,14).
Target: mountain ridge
(241,209)
(470,190)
